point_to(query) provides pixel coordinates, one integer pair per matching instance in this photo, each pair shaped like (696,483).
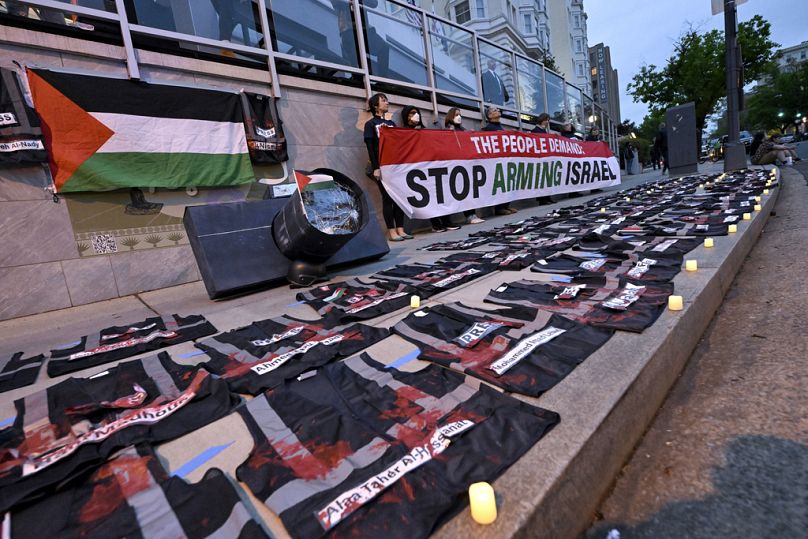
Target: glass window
(531,86)
(497,75)
(574,107)
(528,23)
(61,22)
(462,12)
(576,21)
(394,41)
(315,29)
(225,20)
(452,57)
(589,111)
(480,9)
(578,45)
(21,9)
(555,96)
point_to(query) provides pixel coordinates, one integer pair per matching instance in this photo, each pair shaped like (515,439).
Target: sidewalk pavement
(531,481)
(727,455)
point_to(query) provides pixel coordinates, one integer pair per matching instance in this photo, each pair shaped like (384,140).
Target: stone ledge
(606,404)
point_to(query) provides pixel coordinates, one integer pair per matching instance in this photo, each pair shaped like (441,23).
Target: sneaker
(438,229)
(452,227)
(474,220)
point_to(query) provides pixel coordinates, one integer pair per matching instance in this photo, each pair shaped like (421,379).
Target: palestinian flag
(103,134)
(313,182)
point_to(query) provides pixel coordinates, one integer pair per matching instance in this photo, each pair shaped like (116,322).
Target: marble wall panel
(31,289)
(24,183)
(305,91)
(89,279)
(138,271)
(35,231)
(322,125)
(24,55)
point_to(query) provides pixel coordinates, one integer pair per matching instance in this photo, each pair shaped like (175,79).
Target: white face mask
(457,120)
(415,118)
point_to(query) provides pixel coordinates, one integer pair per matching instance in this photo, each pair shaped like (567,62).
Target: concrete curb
(607,404)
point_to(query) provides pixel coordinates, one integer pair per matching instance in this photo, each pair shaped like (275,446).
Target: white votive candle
(483,503)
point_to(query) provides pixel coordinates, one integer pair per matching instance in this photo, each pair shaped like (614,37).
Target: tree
(779,102)
(697,70)
(549,62)
(627,127)
(650,125)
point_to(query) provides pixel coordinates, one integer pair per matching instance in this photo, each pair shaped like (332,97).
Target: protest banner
(429,173)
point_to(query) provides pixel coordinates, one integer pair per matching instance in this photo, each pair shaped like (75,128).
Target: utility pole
(734,151)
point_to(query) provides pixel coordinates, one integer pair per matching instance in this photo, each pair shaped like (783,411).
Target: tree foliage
(549,62)
(780,101)
(650,124)
(627,127)
(697,69)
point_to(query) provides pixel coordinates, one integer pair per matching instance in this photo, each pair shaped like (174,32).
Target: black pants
(393,215)
(665,162)
(440,222)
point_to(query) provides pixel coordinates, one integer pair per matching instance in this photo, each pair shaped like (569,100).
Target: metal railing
(358,12)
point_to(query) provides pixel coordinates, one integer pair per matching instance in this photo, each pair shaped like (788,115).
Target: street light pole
(734,151)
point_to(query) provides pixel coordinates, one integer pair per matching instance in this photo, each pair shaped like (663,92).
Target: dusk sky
(640,32)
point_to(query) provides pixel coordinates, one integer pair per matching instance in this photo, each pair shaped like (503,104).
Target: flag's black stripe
(122,96)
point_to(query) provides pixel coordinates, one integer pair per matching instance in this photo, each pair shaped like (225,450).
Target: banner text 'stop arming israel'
(438,172)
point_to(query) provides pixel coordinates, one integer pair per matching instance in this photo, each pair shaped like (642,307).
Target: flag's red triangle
(302,181)
(71,134)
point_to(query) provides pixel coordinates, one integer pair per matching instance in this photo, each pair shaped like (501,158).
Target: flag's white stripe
(171,135)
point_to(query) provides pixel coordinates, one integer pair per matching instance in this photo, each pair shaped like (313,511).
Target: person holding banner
(411,119)
(569,131)
(452,122)
(493,116)
(543,124)
(393,215)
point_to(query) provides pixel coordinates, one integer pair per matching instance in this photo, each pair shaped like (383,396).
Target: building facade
(320,60)
(568,41)
(790,56)
(605,84)
(521,25)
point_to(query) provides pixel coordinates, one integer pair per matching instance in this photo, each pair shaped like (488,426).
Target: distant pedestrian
(661,144)
(654,157)
(628,156)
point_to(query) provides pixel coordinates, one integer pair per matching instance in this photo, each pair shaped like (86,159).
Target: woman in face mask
(411,118)
(453,121)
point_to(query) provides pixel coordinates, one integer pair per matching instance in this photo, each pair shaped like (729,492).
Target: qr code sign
(104,244)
